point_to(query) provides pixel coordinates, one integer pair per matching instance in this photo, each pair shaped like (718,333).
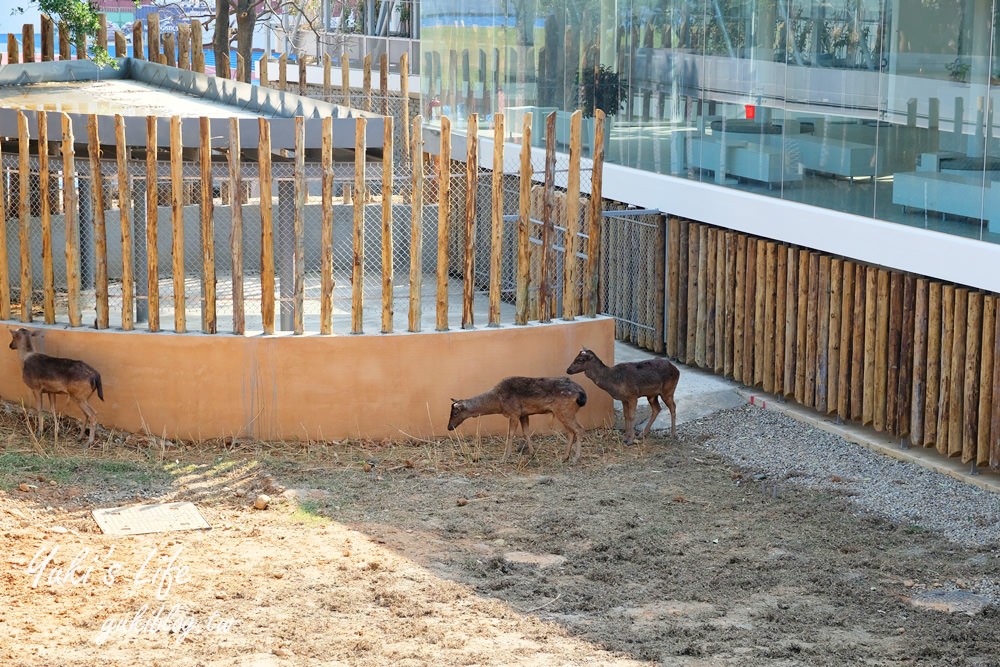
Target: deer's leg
(90,418)
(669,400)
(511,429)
(38,411)
(575,432)
(654,407)
(527,438)
(628,412)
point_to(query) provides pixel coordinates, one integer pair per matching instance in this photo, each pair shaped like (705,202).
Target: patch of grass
(310,512)
(15,466)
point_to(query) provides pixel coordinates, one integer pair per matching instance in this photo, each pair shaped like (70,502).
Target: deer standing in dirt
(44,374)
(519,397)
(626,382)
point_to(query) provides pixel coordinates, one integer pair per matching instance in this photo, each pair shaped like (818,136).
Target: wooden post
(945,376)
(444,206)
(4,263)
(28,42)
(326,229)
(100,230)
(121,45)
(152,265)
(524,227)
(360,195)
(184,46)
(846,342)
(170,49)
(13,55)
(496,220)
(973,351)
(345,78)
(197,48)
(236,234)
(102,31)
(48,46)
(367,82)
(266,227)
(326,77)
(986,380)
(801,326)
(383,83)
(24,227)
(933,377)
(265,81)
(788,370)
(298,226)
(571,286)
(957,395)
(208,309)
(590,276)
(994,444)
(71,211)
(283,71)
(919,362)
(137,51)
(387,241)
(153,34)
(177,217)
(404,92)
(124,212)
(303,83)
(65,46)
(768,327)
(698,305)
(416,224)
(673,282)
(548,224)
(44,183)
(471,190)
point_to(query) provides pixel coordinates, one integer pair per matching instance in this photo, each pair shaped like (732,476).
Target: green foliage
(602,91)
(81,18)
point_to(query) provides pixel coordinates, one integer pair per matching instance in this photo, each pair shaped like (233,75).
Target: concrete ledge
(198,387)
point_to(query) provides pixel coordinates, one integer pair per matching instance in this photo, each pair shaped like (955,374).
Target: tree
(81,19)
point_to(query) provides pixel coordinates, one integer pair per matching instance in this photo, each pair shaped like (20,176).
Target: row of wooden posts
(573,302)
(907,355)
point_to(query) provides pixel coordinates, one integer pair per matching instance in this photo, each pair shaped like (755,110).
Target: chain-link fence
(177,211)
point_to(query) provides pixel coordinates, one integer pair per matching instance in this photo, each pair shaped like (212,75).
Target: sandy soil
(440,554)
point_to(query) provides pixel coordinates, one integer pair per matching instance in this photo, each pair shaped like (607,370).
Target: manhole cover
(139,519)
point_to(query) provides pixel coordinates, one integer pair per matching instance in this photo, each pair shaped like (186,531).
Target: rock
(462,502)
(24,486)
(283,653)
(538,560)
(951,602)
(262,501)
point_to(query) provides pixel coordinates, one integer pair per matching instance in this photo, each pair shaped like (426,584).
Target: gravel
(780,449)
(776,449)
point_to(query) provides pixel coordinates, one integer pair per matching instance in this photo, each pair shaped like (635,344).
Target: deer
(44,374)
(626,382)
(517,398)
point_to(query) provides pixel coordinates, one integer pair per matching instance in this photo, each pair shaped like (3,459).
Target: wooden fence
(538,280)
(906,355)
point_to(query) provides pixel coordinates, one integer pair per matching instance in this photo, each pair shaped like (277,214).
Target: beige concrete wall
(314,387)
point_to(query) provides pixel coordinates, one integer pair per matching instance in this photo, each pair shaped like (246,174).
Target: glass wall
(880,108)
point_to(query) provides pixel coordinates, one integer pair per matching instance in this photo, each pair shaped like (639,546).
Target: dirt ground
(438,553)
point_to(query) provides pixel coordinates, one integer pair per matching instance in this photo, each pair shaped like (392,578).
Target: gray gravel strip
(780,449)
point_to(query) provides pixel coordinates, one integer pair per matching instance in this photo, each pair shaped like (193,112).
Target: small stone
(909,583)
(24,486)
(262,501)
(283,653)
(462,502)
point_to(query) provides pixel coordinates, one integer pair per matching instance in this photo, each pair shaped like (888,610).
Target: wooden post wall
(444,198)
(326,231)
(236,233)
(387,227)
(524,226)
(100,229)
(45,201)
(471,190)
(266,227)
(177,218)
(358,271)
(416,225)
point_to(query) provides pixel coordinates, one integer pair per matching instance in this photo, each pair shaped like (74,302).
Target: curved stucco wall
(316,387)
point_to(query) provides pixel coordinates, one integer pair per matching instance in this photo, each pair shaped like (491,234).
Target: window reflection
(877,108)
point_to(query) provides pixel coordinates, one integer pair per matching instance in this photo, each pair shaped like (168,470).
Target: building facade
(861,128)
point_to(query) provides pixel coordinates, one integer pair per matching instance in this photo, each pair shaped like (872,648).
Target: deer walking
(519,397)
(626,382)
(44,374)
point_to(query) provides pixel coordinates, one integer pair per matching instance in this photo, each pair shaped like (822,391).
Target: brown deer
(519,397)
(44,374)
(626,382)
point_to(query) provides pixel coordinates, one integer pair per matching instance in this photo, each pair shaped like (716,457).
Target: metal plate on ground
(140,519)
